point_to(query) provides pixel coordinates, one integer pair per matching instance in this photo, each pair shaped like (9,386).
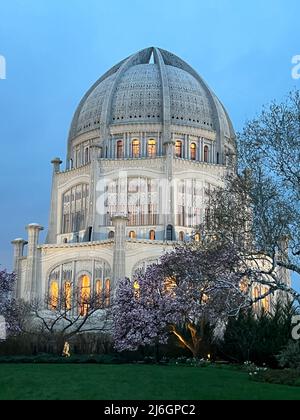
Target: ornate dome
(141,91)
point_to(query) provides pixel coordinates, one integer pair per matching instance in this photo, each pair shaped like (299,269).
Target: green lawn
(105,382)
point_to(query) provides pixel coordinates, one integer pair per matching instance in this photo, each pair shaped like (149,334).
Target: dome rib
(142,57)
(166,102)
(138,91)
(173,60)
(113,70)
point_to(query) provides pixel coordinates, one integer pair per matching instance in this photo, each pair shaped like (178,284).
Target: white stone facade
(146,142)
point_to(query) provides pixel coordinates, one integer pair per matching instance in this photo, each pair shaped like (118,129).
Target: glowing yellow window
(152,235)
(132,234)
(193,151)
(197,237)
(85,295)
(54,293)
(152,148)
(266,300)
(178,149)
(107,292)
(68,295)
(136,148)
(99,291)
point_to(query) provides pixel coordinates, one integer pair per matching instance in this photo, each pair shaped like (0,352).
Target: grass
(133,382)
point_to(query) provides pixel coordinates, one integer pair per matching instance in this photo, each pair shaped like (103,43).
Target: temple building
(146,141)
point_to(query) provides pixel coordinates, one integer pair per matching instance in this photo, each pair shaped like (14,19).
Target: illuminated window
(119,149)
(181,236)
(178,149)
(206,154)
(265,301)
(204,298)
(68,295)
(54,293)
(136,288)
(152,235)
(169,285)
(197,237)
(99,291)
(107,292)
(193,151)
(256,295)
(152,148)
(98,287)
(85,295)
(136,148)
(132,234)
(244,286)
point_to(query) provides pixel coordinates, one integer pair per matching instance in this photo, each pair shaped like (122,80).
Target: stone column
(119,262)
(32,286)
(18,245)
(52,230)
(94,178)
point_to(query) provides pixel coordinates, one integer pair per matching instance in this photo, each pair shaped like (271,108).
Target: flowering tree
(190,287)
(11,310)
(57,319)
(258,209)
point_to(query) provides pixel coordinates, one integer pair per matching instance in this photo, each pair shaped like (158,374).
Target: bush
(33,344)
(257,338)
(51,359)
(281,377)
(290,356)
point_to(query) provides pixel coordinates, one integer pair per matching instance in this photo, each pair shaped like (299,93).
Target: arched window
(181,236)
(136,148)
(244,286)
(132,234)
(152,148)
(120,149)
(111,234)
(170,233)
(206,154)
(54,294)
(136,288)
(68,295)
(193,151)
(178,149)
(75,209)
(256,295)
(265,301)
(107,292)
(152,235)
(197,237)
(86,156)
(99,291)
(85,295)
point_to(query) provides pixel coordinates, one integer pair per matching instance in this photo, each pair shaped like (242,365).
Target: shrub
(290,356)
(281,377)
(257,338)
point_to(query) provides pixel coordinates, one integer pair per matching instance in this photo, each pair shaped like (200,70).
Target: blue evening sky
(55,50)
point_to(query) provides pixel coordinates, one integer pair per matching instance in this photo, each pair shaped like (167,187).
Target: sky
(56,49)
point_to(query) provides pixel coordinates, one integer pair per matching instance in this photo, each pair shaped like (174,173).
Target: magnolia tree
(191,286)
(12,311)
